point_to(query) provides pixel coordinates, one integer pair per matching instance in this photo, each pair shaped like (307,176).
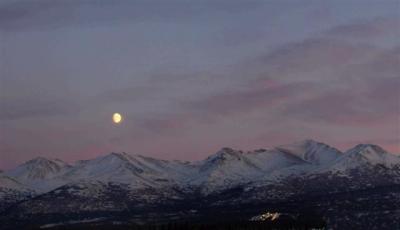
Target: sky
(191,77)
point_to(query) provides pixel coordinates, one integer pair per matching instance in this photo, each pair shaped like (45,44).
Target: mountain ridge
(122,182)
(235,166)
(301,142)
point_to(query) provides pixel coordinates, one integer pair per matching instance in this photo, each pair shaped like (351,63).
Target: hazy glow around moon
(117,118)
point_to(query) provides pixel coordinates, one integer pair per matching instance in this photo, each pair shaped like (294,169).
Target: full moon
(117,118)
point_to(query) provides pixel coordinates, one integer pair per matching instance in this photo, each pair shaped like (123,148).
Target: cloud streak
(31,14)
(32,108)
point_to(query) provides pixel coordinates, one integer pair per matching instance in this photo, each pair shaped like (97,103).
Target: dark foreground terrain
(283,222)
(244,225)
(374,208)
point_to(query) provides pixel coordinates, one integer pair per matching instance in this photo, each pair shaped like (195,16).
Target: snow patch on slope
(10,183)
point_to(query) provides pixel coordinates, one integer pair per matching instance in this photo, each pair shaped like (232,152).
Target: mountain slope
(363,154)
(229,168)
(225,168)
(311,151)
(135,170)
(37,169)
(307,174)
(12,191)
(40,174)
(8,182)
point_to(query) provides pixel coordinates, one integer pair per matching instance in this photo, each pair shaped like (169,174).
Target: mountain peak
(121,155)
(39,159)
(229,151)
(366,154)
(364,148)
(225,154)
(309,141)
(38,168)
(311,151)
(45,162)
(223,157)
(369,152)
(125,156)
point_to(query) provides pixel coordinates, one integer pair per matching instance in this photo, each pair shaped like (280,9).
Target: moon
(117,118)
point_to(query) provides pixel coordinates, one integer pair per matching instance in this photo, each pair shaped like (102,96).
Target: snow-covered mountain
(8,182)
(40,173)
(365,155)
(37,169)
(12,191)
(135,170)
(225,169)
(229,168)
(121,182)
(311,151)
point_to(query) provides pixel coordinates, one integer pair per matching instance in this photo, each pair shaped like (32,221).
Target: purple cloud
(190,78)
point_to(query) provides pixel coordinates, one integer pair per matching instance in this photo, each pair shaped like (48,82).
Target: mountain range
(361,183)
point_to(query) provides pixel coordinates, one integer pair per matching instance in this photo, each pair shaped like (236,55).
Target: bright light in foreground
(117,118)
